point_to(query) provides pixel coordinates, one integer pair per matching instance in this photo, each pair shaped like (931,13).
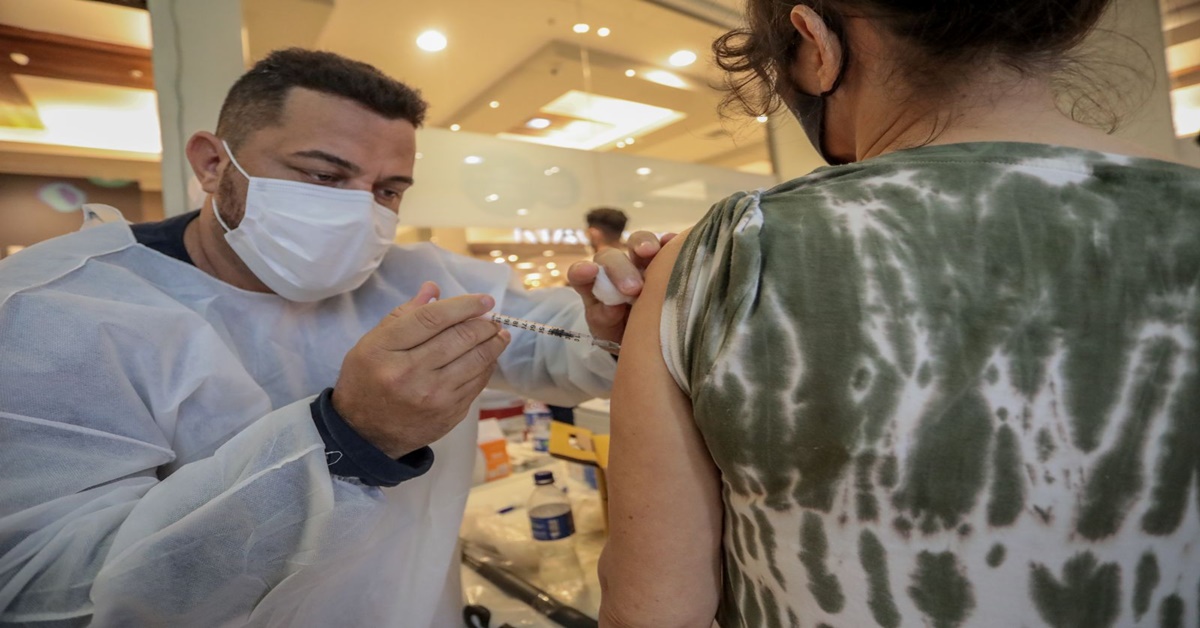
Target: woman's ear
(818,61)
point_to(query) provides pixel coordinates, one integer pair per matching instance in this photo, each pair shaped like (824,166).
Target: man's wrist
(349,454)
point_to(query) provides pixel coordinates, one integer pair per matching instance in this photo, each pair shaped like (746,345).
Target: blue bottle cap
(543,477)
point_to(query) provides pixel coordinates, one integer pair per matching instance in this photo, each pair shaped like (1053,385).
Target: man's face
(324,140)
(595,237)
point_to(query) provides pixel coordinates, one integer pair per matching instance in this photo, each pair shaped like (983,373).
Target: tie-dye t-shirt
(952,386)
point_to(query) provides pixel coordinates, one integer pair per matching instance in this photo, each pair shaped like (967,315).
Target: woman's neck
(996,107)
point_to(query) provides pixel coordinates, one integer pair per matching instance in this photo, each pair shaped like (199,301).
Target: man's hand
(411,379)
(625,271)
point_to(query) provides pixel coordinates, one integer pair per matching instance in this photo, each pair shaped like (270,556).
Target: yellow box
(579,445)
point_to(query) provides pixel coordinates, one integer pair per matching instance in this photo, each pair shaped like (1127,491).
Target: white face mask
(308,242)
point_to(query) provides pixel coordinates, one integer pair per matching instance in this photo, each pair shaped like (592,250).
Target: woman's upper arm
(662,565)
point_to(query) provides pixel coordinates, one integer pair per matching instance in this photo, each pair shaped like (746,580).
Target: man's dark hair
(610,222)
(256,99)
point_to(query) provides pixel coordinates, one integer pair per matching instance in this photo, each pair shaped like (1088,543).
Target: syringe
(557,332)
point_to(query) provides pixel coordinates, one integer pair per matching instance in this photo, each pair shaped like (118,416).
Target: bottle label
(553,528)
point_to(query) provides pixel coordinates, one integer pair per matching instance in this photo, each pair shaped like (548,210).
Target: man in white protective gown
(253,414)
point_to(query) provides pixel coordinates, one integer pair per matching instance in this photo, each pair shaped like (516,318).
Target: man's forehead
(302,103)
(312,121)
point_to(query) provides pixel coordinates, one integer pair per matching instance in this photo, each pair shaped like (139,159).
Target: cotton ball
(606,292)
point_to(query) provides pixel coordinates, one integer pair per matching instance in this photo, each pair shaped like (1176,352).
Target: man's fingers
(480,360)
(621,271)
(454,342)
(581,276)
(417,326)
(643,246)
(470,390)
(640,241)
(428,292)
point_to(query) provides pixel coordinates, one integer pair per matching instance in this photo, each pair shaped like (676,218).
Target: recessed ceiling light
(431,41)
(603,31)
(454,127)
(629,140)
(555,273)
(513,258)
(551,265)
(581,28)
(762,119)
(620,144)
(492,198)
(19,59)
(630,73)
(473,160)
(522,212)
(499,260)
(525,266)
(644,171)
(682,58)
(663,77)
(420,155)
(495,104)
(136,73)
(638,204)
(548,253)
(538,123)
(497,253)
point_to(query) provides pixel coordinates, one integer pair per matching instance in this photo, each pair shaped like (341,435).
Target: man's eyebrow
(399,178)
(333,159)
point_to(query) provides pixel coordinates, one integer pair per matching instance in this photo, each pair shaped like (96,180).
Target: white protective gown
(159,465)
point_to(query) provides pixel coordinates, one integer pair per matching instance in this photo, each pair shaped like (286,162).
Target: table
(513,491)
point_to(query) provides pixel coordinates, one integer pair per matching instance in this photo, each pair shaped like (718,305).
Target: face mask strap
(234,160)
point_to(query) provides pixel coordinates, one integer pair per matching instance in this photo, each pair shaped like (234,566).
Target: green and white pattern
(952,386)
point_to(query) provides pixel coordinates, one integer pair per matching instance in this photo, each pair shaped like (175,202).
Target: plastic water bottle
(538,418)
(554,532)
(540,433)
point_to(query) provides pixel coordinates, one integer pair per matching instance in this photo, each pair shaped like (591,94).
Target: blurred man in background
(605,227)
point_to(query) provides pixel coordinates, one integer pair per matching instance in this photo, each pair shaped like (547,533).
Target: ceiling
(524,54)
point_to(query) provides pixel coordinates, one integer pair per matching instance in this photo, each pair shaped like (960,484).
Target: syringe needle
(607,345)
(557,332)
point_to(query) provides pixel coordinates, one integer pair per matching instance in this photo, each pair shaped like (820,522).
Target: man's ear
(819,60)
(208,159)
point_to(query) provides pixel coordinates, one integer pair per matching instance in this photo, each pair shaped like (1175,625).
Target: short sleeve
(714,281)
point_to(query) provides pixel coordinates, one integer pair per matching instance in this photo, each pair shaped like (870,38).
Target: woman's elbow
(626,606)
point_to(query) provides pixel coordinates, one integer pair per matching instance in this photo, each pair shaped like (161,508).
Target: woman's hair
(940,40)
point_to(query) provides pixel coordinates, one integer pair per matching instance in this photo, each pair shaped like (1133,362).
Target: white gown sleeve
(101,521)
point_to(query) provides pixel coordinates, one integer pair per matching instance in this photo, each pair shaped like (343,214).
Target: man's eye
(323,177)
(389,198)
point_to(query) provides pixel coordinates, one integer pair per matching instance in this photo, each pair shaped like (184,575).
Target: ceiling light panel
(598,120)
